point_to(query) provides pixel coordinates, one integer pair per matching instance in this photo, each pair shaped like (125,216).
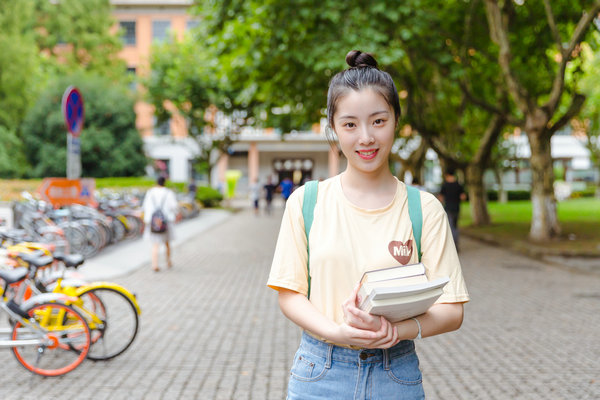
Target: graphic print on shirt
(401,251)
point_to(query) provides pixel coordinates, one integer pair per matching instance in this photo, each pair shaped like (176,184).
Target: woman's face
(365,125)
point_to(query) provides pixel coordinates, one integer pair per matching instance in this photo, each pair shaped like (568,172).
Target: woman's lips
(367,154)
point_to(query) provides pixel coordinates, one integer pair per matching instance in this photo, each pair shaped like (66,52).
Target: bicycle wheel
(65,344)
(113,322)
(118,229)
(93,238)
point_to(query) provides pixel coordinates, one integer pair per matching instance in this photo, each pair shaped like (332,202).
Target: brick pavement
(211,329)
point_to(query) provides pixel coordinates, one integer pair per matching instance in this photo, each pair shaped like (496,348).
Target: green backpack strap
(308,213)
(416,215)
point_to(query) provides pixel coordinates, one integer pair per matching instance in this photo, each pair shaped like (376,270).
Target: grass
(579,220)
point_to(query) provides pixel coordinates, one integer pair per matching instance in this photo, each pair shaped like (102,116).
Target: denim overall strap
(308,208)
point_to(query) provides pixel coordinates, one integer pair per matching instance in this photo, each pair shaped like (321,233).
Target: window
(163,129)
(128,28)
(160,30)
(131,79)
(191,24)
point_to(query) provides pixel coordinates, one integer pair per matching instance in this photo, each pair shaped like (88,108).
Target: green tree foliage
(18,63)
(589,86)
(110,144)
(76,35)
(12,160)
(537,43)
(183,79)
(277,59)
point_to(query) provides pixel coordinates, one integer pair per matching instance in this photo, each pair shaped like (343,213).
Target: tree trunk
(502,195)
(477,195)
(544,222)
(413,164)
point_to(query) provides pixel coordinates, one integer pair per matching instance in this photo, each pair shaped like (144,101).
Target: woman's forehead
(364,102)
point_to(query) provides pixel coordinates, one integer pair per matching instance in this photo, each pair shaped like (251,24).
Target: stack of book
(399,292)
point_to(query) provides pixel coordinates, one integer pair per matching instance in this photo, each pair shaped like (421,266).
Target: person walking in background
(159,198)
(255,196)
(287,187)
(269,190)
(360,220)
(451,195)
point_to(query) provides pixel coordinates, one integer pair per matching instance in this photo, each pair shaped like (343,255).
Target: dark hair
(161,181)
(450,171)
(363,73)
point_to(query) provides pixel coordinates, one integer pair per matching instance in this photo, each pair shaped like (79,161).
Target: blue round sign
(72,107)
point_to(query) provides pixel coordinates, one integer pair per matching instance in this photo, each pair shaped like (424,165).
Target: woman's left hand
(357,318)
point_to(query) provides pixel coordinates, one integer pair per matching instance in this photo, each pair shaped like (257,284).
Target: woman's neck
(369,191)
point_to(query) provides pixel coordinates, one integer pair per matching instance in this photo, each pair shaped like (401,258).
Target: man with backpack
(160,213)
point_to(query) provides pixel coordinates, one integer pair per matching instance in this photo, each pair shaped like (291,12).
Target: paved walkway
(211,329)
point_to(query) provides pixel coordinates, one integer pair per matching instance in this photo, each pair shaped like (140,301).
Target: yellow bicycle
(111,311)
(47,336)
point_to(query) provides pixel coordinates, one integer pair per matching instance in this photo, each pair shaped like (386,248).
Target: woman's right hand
(297,308)
(384,338)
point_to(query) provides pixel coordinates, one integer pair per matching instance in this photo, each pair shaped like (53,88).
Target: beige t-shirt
(345,241)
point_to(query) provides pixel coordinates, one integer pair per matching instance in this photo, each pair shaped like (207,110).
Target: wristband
(418,326)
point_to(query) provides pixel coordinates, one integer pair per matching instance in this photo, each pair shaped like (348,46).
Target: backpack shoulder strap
(416,215)
(308,212)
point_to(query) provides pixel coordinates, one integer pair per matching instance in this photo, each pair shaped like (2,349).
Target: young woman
(160,197)
(360,216)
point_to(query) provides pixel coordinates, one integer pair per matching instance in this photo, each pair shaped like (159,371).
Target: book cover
(367,287)
(402,302)
(399,271)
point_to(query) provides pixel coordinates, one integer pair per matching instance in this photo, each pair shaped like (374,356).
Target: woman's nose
(365,136)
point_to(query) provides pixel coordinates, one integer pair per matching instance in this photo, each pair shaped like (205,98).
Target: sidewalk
(211,329)
(117,260)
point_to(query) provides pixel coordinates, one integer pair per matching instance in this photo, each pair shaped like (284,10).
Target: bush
(587,192)
(12,158)
(110,142)
(125,182)
(208,196)
(492,195)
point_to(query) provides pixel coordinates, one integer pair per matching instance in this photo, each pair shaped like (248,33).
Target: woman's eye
(349,125)
(379,121)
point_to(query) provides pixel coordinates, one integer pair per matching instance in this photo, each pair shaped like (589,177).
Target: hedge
(208,196)
(492,195)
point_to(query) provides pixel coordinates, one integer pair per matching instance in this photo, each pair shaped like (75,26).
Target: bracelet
(419,326)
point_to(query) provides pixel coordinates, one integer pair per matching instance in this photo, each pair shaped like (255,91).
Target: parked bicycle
(47,336)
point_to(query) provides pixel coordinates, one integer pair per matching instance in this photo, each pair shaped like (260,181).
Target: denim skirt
(326,371)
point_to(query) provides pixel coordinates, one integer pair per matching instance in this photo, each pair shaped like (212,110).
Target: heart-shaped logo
(401,251)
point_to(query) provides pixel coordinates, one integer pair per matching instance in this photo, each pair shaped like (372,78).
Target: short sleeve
(289,267)
(439,252)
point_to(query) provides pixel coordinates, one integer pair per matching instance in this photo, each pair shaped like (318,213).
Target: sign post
(73,111)
(64,192)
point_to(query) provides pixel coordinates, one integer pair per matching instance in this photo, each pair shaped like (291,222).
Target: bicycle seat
(13,275)
(35,260)
(70,260)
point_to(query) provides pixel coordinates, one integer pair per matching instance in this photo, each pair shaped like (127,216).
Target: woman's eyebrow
(348,116)
(379,112)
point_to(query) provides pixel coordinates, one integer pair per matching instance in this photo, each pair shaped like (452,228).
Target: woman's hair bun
(356,58)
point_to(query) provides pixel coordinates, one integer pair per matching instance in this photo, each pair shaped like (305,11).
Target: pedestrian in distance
(269,191)
(359,217)
(255,196)
(160,200)
(287,187)
(192,189)
(451,194)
